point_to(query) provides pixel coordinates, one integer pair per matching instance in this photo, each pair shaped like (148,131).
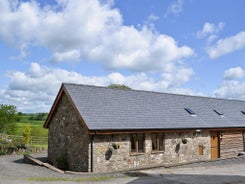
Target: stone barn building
(99,129)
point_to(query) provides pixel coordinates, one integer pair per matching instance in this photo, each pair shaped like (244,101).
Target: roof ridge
(154,92)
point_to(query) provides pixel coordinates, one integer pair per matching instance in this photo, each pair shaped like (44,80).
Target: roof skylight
(190,111)
(218,112)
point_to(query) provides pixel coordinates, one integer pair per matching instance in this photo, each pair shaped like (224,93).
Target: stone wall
(107,159)
(68,142)
(177,152)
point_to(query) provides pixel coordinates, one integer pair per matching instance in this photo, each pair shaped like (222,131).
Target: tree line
(9,116)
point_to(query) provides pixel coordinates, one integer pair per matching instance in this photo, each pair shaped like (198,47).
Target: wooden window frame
(201,150)
(160,140)
(137,143)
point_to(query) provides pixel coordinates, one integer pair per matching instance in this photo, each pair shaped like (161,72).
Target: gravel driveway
(14,171)
(229,171)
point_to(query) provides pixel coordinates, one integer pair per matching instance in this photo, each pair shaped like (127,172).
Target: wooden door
(214,142)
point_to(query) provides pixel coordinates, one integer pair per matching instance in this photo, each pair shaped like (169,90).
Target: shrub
(19,143)
(9,146)
(61,163)
(27,133)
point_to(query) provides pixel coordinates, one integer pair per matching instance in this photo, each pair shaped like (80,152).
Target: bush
(9,146)
(3,144)
(61,163)
(19,143)
(27,133)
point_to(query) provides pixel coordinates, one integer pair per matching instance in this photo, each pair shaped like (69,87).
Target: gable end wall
(68,141)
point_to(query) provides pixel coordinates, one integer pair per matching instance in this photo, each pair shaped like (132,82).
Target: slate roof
(104,108)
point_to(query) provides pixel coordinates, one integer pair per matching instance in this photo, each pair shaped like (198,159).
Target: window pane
(133,143)
(154,141)
(141,143)
(161,142)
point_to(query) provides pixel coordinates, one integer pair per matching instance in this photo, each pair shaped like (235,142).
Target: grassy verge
(91,179)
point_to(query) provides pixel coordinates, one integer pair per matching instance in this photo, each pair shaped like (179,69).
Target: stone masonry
(107,159)
(68,142)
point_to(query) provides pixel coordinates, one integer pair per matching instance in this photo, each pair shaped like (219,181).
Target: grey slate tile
(113,109)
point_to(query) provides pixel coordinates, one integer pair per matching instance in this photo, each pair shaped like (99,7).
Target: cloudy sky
(177,46)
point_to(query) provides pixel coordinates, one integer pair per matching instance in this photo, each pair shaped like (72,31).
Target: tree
(118,86)
(40,116)
(8,118)
(27,133)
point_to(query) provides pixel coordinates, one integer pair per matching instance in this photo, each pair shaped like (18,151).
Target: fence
(33,139)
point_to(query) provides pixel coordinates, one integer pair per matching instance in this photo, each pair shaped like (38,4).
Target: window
(200,149)
(190,111)
(218,112)
(137,143)
(133,143)
(243,112)
(157,140)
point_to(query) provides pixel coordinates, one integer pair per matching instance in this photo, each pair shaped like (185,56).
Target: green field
(36,125)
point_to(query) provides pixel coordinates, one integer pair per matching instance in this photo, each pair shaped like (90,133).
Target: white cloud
(89,30)
(147,52)
(175,8)
(18,25)
(152,17)
(181,76)
(149,22)
(233,85)
(227,45)
(35,89)
(234,73)
(231,89)
(210,29)
(66,56)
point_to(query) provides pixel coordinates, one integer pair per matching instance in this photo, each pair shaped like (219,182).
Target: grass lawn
(85,179)
(36,126)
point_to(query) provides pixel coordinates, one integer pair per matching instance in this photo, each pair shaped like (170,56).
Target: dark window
(218,112)
(154,141)
(190,111)
(141,142)
(133,142)
(157,141)
(243,112)
(137,143)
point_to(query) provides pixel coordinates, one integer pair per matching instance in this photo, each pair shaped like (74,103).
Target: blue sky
(180,46)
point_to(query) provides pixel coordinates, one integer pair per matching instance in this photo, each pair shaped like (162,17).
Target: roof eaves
(123,131)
